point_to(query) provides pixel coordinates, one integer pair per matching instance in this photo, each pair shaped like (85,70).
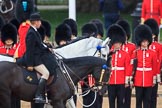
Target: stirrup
(39,99)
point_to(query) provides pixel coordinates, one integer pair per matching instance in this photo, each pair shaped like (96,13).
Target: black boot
(40,94)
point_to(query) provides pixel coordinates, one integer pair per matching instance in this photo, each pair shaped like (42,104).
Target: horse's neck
(79,74)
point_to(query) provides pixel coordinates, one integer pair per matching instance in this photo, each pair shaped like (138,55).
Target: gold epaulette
(24,24)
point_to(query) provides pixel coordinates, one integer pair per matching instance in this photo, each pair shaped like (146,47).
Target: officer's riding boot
(40,94)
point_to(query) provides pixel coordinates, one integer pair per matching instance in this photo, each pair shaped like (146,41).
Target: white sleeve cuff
(158,78)
(154,79)
(127,80)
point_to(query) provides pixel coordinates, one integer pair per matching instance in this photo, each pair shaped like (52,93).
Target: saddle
(32,77)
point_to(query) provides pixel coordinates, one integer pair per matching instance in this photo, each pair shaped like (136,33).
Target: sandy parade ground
(105,101)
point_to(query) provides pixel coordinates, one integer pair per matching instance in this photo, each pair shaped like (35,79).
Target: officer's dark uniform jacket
(37,53)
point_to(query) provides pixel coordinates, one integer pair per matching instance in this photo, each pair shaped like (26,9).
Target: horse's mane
(87,60)
(73,41)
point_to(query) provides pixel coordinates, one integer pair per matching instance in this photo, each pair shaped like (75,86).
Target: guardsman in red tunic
(129,48)
(120,67)
(157,48)
(23,10)
(90,29)
(23,29)
(146,70)
(8,40)
(152,9)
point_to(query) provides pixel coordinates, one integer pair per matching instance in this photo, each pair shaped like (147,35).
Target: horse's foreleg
(5,100)
(58,104)
(37,105)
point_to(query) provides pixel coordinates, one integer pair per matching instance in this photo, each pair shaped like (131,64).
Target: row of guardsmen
(133,65)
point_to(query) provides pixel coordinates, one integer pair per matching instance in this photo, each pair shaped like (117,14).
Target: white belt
(144,69)
(117,68)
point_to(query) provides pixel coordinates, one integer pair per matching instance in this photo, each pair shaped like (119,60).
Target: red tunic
(1,43)
(23,29)
(120,69)
(157,48)
(8,51)
(152,9)
(146,68)
(129,48)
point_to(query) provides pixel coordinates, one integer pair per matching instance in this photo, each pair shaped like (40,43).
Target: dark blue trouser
(143,96)
(116,92)
(110,18)
(88,99)
(127,97)
(154,96)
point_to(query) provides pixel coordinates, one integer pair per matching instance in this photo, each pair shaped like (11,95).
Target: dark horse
(12,81)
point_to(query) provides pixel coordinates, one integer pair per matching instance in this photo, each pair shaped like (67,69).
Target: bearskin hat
(63,32)
(23,9)
(9,31)
(125,25)
(73,25)
(153,25)
(42,32)
(141,33)
(116,33)
(2,22)
(47,27)
(15,22)
(89,29)
(99,25)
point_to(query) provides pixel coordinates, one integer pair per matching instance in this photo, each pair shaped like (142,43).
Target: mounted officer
(38,56)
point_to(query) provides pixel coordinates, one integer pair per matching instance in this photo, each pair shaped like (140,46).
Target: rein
(3,8)
(72,70)
(64,68)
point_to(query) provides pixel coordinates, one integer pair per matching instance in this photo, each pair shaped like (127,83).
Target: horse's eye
(103,55)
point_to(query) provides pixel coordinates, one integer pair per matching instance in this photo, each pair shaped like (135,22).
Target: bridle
(65,70)
(3,7)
